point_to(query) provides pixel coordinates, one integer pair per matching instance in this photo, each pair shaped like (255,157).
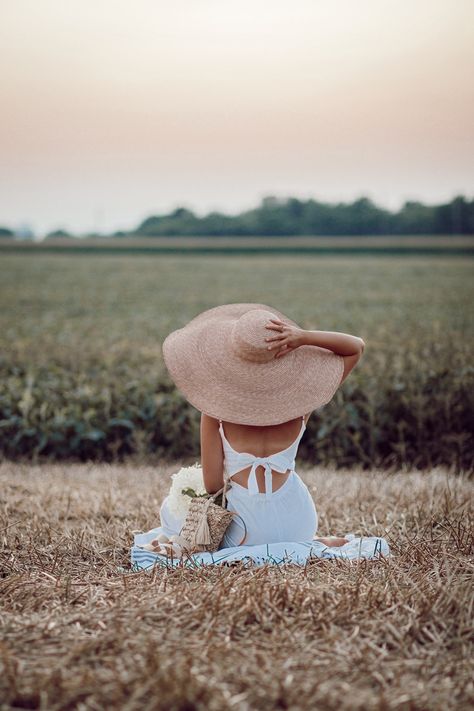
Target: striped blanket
(267,553)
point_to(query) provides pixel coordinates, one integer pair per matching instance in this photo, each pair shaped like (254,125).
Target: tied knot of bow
(268,465)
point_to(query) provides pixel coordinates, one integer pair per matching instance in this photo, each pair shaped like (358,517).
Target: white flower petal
(186,478)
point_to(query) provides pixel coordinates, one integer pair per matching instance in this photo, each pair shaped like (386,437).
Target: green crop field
(83,377)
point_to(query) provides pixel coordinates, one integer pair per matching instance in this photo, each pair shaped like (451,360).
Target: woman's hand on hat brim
(287,339)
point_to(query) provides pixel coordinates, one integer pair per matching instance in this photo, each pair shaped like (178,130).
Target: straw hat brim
(202,364)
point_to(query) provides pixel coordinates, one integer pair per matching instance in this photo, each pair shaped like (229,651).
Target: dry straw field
(80,630)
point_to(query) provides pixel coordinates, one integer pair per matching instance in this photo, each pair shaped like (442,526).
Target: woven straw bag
(206,523)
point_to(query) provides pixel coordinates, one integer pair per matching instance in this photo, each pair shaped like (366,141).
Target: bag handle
(223,490)
(245,527)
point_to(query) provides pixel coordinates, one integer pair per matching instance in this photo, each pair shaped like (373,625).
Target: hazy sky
(112,110)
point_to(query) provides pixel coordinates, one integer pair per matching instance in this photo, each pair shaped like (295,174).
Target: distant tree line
(291,216)
(21,233)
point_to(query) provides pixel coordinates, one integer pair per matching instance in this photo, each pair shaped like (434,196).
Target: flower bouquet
(205,517)
(187,484)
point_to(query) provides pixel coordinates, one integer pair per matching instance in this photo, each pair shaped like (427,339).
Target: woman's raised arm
(340,343)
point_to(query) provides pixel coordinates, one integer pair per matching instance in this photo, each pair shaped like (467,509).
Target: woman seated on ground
(256,376)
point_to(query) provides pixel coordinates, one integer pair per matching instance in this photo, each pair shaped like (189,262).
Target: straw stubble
(79,634)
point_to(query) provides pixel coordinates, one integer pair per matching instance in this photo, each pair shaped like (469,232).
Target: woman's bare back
(262,442)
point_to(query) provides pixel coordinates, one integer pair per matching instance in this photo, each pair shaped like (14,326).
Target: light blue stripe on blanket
(270,553)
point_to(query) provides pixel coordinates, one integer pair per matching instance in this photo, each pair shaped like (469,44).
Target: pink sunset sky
(113,110)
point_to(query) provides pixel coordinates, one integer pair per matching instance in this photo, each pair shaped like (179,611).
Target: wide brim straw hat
(221,364)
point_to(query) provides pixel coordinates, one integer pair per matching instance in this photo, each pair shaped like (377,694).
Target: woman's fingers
(286,349)
(274,324)
(281,341)
(277,337)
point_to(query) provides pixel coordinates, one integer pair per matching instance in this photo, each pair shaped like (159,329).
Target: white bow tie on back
(277,462)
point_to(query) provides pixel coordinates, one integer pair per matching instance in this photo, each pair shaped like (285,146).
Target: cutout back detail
(235,462)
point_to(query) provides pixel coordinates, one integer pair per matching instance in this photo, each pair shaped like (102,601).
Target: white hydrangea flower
(185,478)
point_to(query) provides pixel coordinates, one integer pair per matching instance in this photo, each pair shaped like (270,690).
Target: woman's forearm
(340,343)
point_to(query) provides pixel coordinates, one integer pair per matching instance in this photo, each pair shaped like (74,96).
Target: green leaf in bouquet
(190,492)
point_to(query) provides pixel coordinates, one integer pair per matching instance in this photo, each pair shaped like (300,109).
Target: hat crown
(248,336)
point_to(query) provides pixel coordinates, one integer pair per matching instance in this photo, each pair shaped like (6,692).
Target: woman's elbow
(213,481)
